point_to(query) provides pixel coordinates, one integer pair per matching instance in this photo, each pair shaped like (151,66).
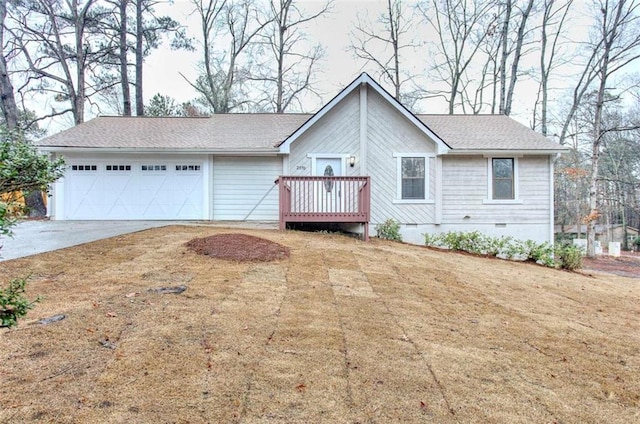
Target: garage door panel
(160,193)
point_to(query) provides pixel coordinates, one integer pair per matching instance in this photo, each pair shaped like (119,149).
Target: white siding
(389,132)
(465,190)
(239,185)
(337,132)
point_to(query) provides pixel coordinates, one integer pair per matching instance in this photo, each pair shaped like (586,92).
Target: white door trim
(315,156)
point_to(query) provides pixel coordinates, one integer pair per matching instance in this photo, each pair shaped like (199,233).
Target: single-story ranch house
(362,158)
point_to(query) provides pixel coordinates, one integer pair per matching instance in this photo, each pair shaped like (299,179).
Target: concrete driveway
(33,237)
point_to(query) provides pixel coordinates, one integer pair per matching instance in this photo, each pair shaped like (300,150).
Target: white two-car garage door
(134,189)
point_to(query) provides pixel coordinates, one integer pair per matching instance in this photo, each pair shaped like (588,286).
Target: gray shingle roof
(249,132)
(234,132)
(486,132)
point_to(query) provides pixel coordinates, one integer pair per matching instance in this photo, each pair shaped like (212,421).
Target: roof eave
(516,152)
(156,150)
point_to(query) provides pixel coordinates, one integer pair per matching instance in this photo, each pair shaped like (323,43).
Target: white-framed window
(148,168)
(84,167)
(187,168)
(412,178)
(118,167)
(502,180)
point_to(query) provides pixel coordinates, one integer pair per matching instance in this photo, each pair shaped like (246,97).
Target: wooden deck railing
(325,199)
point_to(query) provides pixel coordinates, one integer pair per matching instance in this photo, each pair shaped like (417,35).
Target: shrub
(389,230)
(569,256)
(503,247)
(13,303)
(542,253)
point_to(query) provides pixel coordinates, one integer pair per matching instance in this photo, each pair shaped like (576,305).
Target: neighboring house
(432,173)
(604,233)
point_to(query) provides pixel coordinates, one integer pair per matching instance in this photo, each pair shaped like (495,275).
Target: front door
(328,193)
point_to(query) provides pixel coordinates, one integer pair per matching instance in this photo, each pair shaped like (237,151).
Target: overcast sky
(163,67)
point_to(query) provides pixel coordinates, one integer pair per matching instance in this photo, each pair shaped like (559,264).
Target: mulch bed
(238,247)
(627,265)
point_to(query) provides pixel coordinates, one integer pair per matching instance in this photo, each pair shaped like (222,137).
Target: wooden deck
(325,199)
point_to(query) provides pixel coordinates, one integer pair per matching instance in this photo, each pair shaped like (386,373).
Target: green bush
(569,257)
(504,247)
(389,230)
(13,303)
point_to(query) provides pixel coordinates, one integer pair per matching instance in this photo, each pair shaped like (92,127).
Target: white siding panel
(389,132)
(465,188)
(241,184)
(338,132)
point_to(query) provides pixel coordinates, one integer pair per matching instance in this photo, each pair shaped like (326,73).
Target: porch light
(352,161)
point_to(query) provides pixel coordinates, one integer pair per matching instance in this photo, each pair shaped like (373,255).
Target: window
(153,167)
(118,167)
(187,167)
(84,167)
(413,178)
(503,181)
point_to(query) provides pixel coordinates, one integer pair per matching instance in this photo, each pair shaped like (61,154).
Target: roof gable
(364,78)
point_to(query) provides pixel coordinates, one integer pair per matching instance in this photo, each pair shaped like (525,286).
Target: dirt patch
(238,247)
(627,265)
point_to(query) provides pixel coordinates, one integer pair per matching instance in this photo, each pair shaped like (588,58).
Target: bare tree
(226,71)
(615,44)
(208,12)
(60,44)
(462,27)
(288,72)
(513,49)
(552,28)
(383,42)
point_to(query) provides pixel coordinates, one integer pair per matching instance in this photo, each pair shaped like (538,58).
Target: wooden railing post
(330,199)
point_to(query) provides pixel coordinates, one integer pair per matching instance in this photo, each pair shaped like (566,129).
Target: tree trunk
(35,204)
(516,58)
(124,74)
(504,56)
(625,233)
(79,98)
(280,77)
(9,108)
(543,76)
(139,58)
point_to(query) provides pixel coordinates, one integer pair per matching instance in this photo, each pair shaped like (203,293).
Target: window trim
(398,195)
(516,183)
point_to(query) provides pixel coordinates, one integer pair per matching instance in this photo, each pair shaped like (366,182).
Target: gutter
(509,152)
(217,152)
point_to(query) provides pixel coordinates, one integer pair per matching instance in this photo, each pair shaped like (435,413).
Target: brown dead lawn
(341,331)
